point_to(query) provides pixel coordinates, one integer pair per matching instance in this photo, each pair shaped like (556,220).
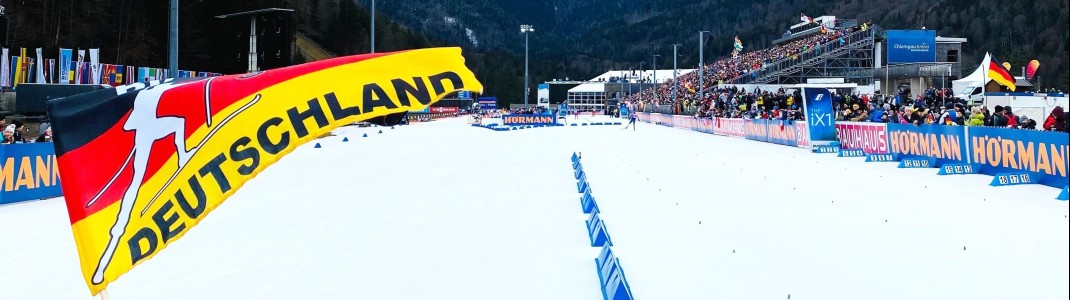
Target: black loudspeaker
(275,40)
(31,97)
(3,30)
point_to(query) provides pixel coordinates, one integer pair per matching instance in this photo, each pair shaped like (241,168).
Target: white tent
(964,87)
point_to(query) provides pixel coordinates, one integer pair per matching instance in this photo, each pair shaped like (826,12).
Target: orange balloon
(1031,68)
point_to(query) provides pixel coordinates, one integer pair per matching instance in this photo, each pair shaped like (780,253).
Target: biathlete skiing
(631,120)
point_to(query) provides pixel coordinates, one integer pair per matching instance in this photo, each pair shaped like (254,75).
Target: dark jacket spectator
(46,136)
(19,128)
(857,113)
(988,115)
(1012,120)
(998,119)
(1028,123)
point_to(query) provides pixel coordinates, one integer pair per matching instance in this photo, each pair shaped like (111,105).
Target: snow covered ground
(447,211)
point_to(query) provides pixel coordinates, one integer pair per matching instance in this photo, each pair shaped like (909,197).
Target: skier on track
(631,120)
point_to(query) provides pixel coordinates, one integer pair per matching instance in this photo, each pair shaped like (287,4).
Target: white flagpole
(104,294)
(984,73)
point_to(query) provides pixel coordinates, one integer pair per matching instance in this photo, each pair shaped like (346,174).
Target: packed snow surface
(444,210)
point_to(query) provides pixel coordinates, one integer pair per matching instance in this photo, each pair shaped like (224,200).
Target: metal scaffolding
(829,60)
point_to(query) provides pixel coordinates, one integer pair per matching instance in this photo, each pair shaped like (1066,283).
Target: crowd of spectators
(756,104)
(729,69)
(956,113)
(932,106)
(538,110)
(937,106)
(13,133)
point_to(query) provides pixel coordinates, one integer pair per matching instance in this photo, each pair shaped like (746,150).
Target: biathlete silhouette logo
(148,127)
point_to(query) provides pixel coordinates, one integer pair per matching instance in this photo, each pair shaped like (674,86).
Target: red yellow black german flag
(1000,75)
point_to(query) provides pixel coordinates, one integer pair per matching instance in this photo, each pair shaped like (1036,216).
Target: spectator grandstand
(725,100)
(730,70)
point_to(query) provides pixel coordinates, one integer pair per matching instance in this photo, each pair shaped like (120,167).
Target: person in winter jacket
(876,113)
(998,119)
(1012,120)
(1056,119)
(46,135)
(1028,123)
(977,118)
(950,116)
(858,114)
(988,115)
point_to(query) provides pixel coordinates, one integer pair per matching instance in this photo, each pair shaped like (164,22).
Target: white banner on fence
(94,65)
(78,69)
(5,69)
(40,68)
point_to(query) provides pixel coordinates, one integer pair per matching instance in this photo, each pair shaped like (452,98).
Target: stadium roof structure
(598,84)
(254,12)
(949,40)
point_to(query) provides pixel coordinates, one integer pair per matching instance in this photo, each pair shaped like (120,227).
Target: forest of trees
(583,38)
(134,32)
(574,38)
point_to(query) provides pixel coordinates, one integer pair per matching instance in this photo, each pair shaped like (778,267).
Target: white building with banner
(610,87)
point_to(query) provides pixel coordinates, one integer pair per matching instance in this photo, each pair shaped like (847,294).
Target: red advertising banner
(728,127)
(803,134)
(871,138)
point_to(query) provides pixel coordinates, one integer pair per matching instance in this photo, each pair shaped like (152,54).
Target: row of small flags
(21,68)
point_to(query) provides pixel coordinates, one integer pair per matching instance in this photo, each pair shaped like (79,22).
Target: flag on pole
(78,70)
(94,66)
(64,65)
(5,69)
(999,74)
(20,69)
(40,69)
(738,45)
(50,71)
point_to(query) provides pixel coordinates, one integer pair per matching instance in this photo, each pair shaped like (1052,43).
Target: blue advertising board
(28,172)
(488,103)
(464,95)
(911,46)
(819,114)
(1003,150)
(943,144)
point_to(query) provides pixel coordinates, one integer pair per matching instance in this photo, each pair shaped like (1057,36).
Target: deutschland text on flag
(142,165)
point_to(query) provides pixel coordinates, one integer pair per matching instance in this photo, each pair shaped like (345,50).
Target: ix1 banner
(819,115)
